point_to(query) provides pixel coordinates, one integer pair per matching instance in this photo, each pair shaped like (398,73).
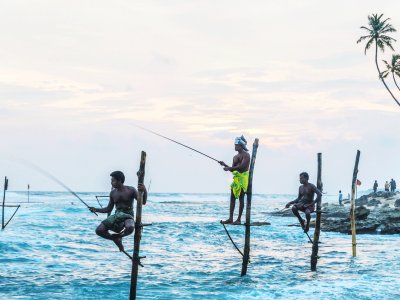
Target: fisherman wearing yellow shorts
(240,172)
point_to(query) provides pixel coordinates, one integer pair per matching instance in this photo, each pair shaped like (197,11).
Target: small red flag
(358,182)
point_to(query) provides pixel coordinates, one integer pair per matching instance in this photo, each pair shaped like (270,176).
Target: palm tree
(377,30)
(393,67)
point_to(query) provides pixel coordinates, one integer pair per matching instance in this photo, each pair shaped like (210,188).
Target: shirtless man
(305,201)
(122,221)
(240,171)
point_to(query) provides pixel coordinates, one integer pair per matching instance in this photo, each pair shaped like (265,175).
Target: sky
(77,76)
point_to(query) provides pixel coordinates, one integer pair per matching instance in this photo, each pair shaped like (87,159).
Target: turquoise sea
(50,251)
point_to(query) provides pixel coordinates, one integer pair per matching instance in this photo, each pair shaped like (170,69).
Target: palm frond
(384,74)
(369,30)
(363,38)
(387,44)
(387,38)
(388,66)
(368,45)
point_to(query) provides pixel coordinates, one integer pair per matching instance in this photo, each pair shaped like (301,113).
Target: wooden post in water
(314,254)
(138,230)
(4,201)
(246,252)
(28,192)
(353,206)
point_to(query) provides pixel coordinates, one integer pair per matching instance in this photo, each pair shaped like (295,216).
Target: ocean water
(50,251)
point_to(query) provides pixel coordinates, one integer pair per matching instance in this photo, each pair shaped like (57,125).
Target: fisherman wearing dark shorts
(122,221)
(116,222)
(305,201)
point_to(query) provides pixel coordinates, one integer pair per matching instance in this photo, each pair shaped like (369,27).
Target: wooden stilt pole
(246,251)
(4,200)
(138,230)
(314,254)
(352,210)
(28,192)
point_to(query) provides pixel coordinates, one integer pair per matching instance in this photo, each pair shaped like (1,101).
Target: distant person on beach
(392,185)
(375,186)
(122,221)
(387,186)
(340,198)
(305,201)
(240,172)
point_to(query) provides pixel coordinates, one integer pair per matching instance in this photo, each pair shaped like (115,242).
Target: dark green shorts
(116,221)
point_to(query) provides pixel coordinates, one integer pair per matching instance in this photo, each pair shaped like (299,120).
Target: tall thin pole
(138,230)
(28,192)
(4,200)
(246,252)
(314,254)
(352,210)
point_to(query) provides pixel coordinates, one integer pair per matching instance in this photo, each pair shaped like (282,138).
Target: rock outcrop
(377,213)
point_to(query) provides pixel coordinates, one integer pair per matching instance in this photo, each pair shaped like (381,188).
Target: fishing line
(167,138)
(48,175)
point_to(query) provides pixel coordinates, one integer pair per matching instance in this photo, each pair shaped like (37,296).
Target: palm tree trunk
(395,82)
(379,72)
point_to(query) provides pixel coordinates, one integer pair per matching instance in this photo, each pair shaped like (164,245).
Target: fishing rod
(309,237)
(167,138)
(48,175)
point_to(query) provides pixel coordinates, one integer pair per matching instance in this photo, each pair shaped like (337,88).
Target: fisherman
(375,186)
(240,172)
(122,221)
(340,198)
(392,185)
(305,201)
(387,185)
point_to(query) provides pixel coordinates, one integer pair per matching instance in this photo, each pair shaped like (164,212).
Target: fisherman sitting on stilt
(240,171)
(122,221)
(305,201)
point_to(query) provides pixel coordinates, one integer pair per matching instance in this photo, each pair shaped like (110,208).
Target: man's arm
(242,166)
(318,192)
(106,209)
(141,188)
(294,201)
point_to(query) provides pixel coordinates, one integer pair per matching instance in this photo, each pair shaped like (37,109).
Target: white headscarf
(241,141)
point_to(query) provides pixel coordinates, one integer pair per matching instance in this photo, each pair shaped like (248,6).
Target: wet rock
(363,200)
(390,228)
(393,215)
(373,202)
(362,213)
(382,216)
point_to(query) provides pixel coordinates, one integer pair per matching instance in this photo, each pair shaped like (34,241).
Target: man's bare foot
(118,242)
(307,228)
(228,221)
(237,222)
